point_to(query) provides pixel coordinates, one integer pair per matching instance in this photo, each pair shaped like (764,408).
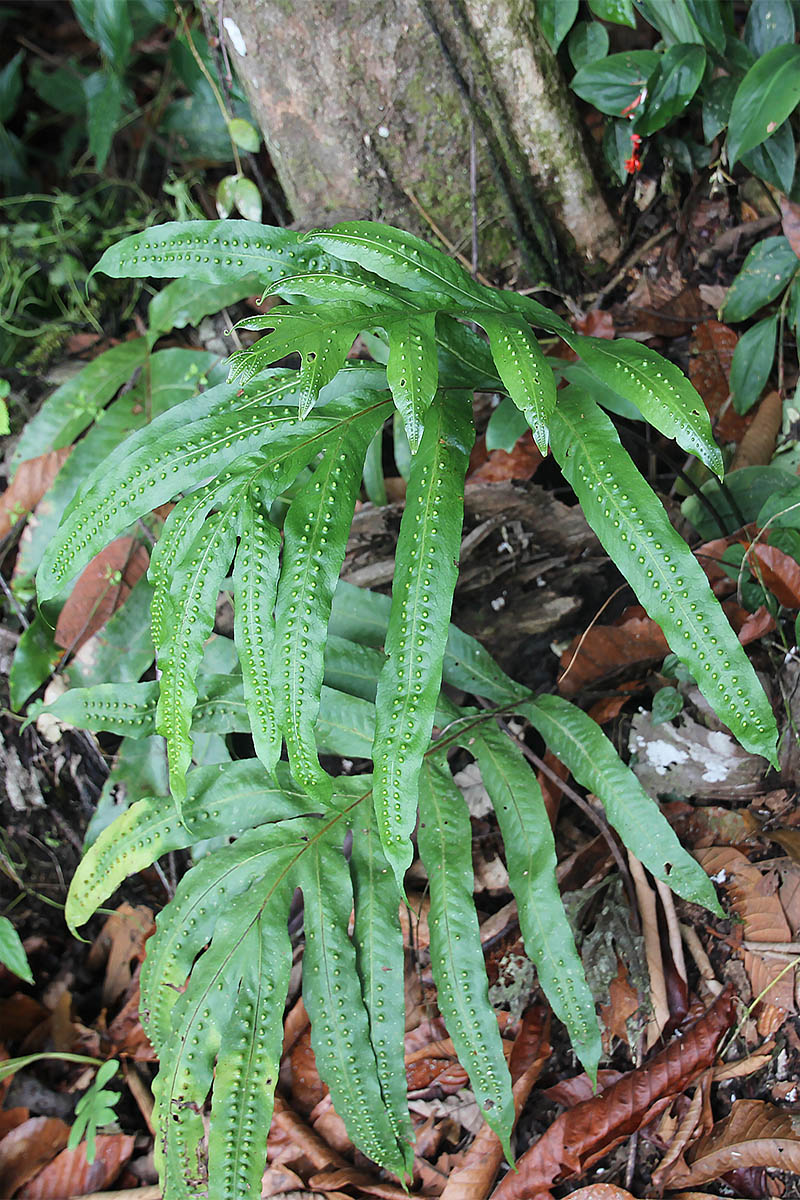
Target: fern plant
(324,667)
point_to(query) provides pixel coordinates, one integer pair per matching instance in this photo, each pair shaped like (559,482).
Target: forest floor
(698,1091)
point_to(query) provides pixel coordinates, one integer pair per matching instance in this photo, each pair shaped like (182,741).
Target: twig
(588,630)
(473,180)
(14,602)
(630,261)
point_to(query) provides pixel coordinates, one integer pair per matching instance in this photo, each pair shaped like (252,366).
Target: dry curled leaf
(33,478)
(588,1131)
(755,1134)
(711,354)
(606,649)
(779,573)
(69,1174)
(758,442)
(497,466)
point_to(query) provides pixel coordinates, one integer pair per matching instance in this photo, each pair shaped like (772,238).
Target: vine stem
(209,80)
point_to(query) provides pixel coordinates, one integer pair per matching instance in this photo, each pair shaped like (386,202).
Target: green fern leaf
(186,1063)
(445,847)
(346,725)
(531,860)
(178,451)
(380,961)
(106,707)
(401,258)
(315,538)
(181,528)
(583,747)
(413,371)
(362,617)
(631,523)
(525,371)
(658,388)
(189,620)
(219,802)
(189,920)
(321,336)
(255,584)
(422,595)
(340,1033)
(249,1060)
(215,251)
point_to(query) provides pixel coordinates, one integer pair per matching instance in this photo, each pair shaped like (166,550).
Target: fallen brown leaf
(779,572)
(498,466)
(605,649)
(121,944)
(600,1191)
(758,442)
(33,478)
(100,589)
(473,1178)
(69,1173)
(755,1134)
(588,1131)
(711,354)
(26,1149)
(790,222)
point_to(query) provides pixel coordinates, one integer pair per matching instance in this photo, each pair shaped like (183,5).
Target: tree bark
(441,116)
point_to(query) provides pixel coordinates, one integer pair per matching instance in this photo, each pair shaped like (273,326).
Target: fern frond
(658,388)
(531,861)
(255,584)
(176,452)
(340,1033)
(632,525)
(581,745)
(524,370)
(413,371)
(445,847)
(380,961)
(189,920)
(248,1060)
(422,594)
(218,802)
(189,619)
(214,251)
(316,529)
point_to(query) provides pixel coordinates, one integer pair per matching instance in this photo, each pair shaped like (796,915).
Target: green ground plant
(265,470)
(703,99)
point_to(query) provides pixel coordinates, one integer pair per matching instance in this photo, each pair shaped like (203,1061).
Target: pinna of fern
(310,680)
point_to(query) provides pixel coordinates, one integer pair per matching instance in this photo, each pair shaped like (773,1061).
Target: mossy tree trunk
(425,114)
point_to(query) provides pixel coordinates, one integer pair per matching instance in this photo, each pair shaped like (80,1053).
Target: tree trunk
(442,116)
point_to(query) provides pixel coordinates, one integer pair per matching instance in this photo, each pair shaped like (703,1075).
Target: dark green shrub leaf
(667,704)
(673,21)
(105,94)
(506,426)
(12,953)
(445,847)
(707,16)
(583,747)
(672,86)
(531,860)
(752,363)
(588,42)
(769,24)
(764,99)
(422,595)
(717,101)
(244,134)
(774,160)
(614,84)
(619,11)
(740,501)
(631,523)
(555,19)
(769,266)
